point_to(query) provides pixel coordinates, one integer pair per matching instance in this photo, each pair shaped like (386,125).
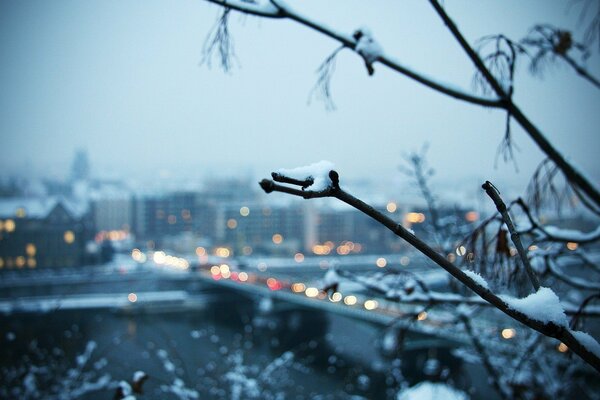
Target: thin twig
(514,235)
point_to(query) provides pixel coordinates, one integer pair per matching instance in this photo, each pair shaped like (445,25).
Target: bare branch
(493,193)
(572,174)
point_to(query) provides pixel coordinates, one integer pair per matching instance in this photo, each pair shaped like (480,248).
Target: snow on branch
(546,317)
(543,306)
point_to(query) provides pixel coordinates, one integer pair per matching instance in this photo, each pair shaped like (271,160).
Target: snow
(543,306)
(432,391)
(477,278)
(572,235)
(368,47)
(331,278)
(318,171)
(588,342)
(138,376)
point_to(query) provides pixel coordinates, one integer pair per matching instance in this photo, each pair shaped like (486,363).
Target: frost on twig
(219,41)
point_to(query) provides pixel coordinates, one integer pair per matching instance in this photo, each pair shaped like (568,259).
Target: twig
(514,235)
(572,174)
(550,329)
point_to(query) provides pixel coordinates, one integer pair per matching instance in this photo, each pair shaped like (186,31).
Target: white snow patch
(331,278)
(432,391)
(588,342)
(368,47)
(318,171)
(138,376)
(477,278)
(543,305)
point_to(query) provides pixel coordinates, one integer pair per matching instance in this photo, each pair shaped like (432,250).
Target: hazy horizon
(123,80)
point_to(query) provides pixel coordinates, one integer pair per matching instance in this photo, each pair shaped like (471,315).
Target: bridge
(143,289)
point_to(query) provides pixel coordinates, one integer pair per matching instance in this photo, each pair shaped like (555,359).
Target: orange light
(132,297)
(9,225)
(422,316)
(69,237)
(472,216)
(232,223)
(200,251)
(572,246)
(277,238)
(562,348)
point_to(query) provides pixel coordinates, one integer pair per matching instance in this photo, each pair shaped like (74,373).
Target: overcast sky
(123,80)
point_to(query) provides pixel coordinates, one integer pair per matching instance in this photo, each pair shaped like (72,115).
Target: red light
(274,284)
(216,277)
(234,276)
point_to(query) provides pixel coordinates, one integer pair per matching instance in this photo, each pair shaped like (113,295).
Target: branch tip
(267,185)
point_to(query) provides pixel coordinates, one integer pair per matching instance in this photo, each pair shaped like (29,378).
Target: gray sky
(123,80)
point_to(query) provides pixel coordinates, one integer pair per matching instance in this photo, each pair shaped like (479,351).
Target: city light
(232,223)
(244,211)
(414,217)
(69,237)
(200,251)
(350,300)
(277,238)
(404,261)
(562,348)
(298,287)
(9,225)
(31,262)
(262,266)
(422,316)
(335,297)
(311,292)
(371,304)
(298,257)
(223,252)
(472,216)
(20,213)
(391,207)
(224,269)
(572,246)
(274,284)
(20,262)
(132,297)
(215,270)
(508,333)
(381,262)
(243,277)
(461,251)
(30,249)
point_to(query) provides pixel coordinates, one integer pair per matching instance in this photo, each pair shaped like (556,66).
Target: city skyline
(136,97)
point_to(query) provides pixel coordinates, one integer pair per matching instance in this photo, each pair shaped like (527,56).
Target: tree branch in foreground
(580,343)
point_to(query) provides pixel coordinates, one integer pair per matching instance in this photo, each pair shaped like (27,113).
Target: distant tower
(80,169)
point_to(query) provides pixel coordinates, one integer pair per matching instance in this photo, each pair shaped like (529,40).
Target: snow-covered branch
(541,311)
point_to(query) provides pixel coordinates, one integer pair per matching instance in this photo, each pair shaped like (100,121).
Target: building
(43,232)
